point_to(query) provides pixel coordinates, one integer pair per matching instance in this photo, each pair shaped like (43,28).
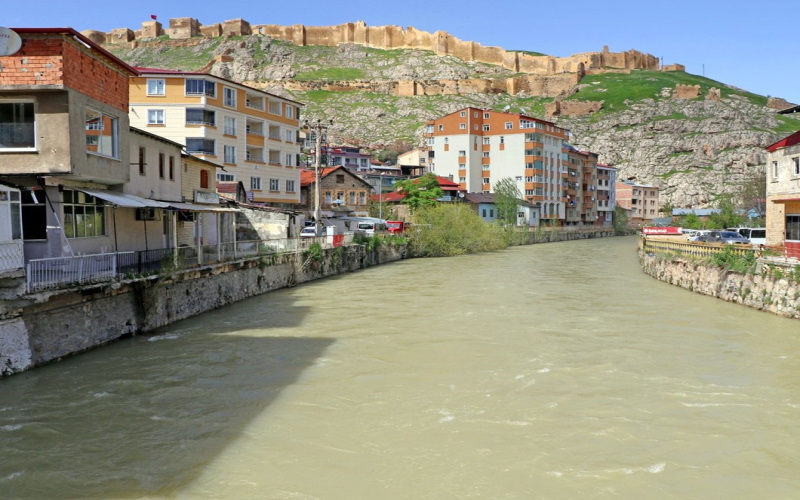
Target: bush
(453,229)
(741,263)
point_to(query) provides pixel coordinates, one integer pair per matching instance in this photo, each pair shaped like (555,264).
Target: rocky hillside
(695,148)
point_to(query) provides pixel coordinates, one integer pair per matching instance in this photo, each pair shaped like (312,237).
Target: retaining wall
(58,324)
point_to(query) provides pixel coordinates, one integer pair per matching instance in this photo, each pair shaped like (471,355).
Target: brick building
(783,194)
(640,200)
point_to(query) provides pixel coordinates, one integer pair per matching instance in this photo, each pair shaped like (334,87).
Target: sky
(752,46)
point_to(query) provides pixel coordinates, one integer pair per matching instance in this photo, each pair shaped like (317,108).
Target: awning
(124,200)
(197,207)
(786,200)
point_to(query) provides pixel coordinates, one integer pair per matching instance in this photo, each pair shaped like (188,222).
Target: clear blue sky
(752,46)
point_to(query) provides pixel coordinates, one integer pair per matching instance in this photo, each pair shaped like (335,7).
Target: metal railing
(59,272)
(696,249)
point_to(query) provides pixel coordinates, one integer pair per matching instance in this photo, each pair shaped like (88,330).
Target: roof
(393,197)
(83,40)
(785,142)
(156,137)
(143,71)
(700,212)
(308,177)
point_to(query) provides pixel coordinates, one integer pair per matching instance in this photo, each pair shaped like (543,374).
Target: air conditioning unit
(147,214)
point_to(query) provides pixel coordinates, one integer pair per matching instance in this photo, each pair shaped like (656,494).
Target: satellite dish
(10,42)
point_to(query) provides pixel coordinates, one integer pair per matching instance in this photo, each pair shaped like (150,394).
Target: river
(548,371)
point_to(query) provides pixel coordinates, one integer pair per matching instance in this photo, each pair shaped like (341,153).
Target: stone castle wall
(389,37)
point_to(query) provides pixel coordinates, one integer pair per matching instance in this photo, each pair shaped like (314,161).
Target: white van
(372,228)
(756,235)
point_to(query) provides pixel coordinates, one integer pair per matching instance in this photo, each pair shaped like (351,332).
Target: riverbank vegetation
(449,229)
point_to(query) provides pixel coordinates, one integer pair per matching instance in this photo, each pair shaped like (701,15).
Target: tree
(620,221)
(752,196)
(506,200)
(727,215)
(420,192)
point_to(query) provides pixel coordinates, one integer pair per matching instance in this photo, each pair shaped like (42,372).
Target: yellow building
(252,134)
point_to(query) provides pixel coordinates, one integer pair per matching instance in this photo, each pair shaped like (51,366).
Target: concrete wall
(51,326)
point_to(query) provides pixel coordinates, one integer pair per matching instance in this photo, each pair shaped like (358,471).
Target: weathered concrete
(67,322)
(767,290)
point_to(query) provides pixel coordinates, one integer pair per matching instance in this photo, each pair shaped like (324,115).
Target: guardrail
(696,249)
(54,273)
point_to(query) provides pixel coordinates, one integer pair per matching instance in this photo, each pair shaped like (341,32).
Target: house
(413,163)
(64,136)
(484,204)
(641,200)
(783,194)
(253,134)
(479,147)
(342,193)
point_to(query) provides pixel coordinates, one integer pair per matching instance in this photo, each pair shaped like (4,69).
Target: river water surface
(548,371)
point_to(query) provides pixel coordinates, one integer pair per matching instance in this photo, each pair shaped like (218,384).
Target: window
(352,197)
(462,179)
(289,111)
(17,126)
(226,177)
(509,125)
(199,116)
(289,186)
(161,165)
(441,127)
(463,114)
(171,171)
(229,97)
(486,128)
(796,162)
(274,184)
(102,134)
(229,154)
(486,167)
(793,227)
(155,117)
(485,116)
(502,140)
(289,160)
(156,86)
(486,180)
(200,145)
(462,166)
(142,163)
(200,87)
(486,154)
(84,215)
(487,140)
(255,183)
(289,135)
(327,197)
(462,126)
(339,178)
(362,198)
(230,126)
(462,153)
(774,169)
(275,107)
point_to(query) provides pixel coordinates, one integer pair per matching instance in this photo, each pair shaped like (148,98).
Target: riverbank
(768,288)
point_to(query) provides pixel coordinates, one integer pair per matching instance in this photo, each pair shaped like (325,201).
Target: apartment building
(479,147)
(252,134)
(606,194)
(640,200)
(783,194)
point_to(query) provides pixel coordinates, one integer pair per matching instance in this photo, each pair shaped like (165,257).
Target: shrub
(453,229)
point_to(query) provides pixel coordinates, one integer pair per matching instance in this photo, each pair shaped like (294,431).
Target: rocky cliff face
(693,148)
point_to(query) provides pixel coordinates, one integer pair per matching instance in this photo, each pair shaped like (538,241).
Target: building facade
(252,134)
(783,194)
(640,200)
(479,147)
(342,193)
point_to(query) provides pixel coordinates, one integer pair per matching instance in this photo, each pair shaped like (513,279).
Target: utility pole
(318,127)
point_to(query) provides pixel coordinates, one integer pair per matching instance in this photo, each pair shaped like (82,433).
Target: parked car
(396,226)
(729,237)
(756,235)
(694,234)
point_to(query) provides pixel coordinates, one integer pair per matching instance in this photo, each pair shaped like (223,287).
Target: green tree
(420,192)
(506,200)
(620,221)
(447,229)
(752,197)
(727,215)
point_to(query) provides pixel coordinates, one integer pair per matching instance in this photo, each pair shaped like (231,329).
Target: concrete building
(479,147)
(783,194)
(251,133)
(342,193)
(64,132)
(641,200)
(413,163)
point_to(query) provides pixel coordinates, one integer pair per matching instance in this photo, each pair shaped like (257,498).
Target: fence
(696,249)
(53,273)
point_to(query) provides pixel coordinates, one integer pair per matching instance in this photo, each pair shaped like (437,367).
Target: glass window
(102,135)
(230,126)
(226,177)
(200,87)
(200,145)
(229,154)
(229,97)
(17,126)
(200,116)
(290,186)
(84,215)
(255,183)
(274,184)
(793,227)
(155,117)
(156,86)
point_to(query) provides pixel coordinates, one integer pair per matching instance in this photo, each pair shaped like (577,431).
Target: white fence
(44,274)
(11,255)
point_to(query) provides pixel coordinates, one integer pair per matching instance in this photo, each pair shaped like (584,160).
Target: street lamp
(318,127)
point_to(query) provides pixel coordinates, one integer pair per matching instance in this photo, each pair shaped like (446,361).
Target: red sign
(662,230)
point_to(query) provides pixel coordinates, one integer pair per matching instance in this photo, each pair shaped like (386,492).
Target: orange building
(640,200)
(252,134)
(479,147)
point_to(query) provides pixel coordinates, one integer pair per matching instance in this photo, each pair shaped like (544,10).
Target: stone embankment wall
(763,291)
(388,37)
(58,324)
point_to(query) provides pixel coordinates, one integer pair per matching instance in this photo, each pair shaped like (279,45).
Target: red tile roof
(307,177)
(785,142)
